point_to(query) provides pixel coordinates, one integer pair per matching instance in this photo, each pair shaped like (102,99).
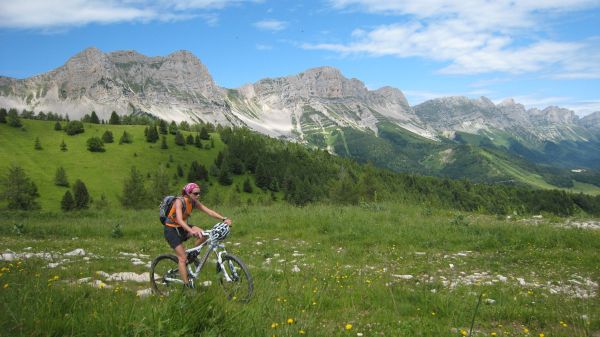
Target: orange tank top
(172,217)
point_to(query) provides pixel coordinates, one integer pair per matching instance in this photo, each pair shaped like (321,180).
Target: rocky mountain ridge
(310,104)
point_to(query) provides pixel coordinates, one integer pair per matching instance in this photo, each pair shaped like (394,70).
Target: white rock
(8,257)
(137,261)
(76,252)
(295,269)
(451,266)
(84,280)
(403,277)
(489,301)
(129,276)
(207,283)
(502,278)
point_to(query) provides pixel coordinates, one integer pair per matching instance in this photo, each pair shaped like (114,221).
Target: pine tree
(37,145)
(94,118)
(197,142)
(173,128)
(63,146)
(114,119)
(185,126)
(57,126)
(67,203)
(163,144)
(204,133)
(134,193)
(125,138)
(152,136)
(197,172)
(12,119)
(3,115)
(19,190)
(159,184)
(80,195)
(162,127)
(179,140)
(107,137)
(225,177)
(60,178)
(189,140)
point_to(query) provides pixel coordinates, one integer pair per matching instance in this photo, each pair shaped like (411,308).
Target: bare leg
(181,257)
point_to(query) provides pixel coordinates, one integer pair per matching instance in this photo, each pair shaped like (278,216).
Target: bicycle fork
(221,268)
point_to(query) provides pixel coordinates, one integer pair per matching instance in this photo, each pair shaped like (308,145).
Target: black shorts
(176,235)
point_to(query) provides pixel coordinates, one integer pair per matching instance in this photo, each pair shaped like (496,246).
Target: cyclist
(177,229)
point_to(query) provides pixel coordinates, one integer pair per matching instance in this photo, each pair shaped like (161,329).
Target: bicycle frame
(212,246)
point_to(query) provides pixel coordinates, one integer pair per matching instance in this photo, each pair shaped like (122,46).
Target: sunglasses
(196,193)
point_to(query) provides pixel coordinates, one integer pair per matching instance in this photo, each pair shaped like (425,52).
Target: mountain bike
(232,274)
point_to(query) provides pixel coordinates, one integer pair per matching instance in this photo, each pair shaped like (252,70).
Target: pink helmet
(187,189)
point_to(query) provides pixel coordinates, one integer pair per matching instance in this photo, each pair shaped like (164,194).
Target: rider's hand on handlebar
(197,232)
(228,222)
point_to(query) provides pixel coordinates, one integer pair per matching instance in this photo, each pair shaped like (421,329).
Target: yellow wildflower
(290,321)
(274,325)
(348,327)
(542,335)
(301,332)
(5,285)
(525,330)
(493,334)
(463,332)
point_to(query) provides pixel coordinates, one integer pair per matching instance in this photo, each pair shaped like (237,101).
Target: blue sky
(540,53)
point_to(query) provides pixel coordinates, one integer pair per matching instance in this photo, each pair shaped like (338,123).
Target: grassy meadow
(381,269)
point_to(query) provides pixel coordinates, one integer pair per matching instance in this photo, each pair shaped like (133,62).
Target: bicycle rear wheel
(236,280)
(164,274)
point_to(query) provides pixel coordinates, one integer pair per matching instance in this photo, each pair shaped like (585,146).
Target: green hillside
(244,167)
(102,172)
(473,157)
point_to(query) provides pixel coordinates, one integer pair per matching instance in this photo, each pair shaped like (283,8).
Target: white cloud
(274,25)
(43,14)
(472,36)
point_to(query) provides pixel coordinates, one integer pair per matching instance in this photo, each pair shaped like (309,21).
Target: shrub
(60,178)
(107,137)
(74,128)
(18,190)
(67,203)
(95,144)
(81,195)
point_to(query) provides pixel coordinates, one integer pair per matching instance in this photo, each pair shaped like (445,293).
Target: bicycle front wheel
(235,279)
(164,274)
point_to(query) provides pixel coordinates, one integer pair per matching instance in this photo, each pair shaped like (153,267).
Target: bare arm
(212,213)
(183,223)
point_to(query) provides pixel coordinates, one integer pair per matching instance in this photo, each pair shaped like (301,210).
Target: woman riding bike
(177,230)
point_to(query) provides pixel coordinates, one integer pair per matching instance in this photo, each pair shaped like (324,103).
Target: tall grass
(377,270)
